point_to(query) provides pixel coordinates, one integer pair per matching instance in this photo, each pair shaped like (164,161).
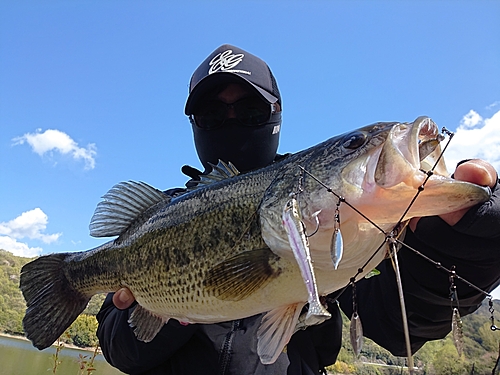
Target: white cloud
(475,137)
(471,120)
(30,224)
(493,105)
(54,140)
(18,248)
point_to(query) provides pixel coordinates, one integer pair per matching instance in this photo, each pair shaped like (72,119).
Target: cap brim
(221,78)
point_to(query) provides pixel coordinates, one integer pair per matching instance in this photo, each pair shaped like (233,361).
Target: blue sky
(92,92)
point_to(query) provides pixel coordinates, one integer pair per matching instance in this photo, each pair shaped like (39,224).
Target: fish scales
(159,265)
(220,252)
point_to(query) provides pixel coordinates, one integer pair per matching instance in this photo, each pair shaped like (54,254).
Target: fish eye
(354,140)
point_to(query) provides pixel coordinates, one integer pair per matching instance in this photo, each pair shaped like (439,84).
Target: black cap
(228,64)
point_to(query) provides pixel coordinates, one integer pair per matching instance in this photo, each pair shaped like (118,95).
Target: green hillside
(11,300)
(481,349)
(12,305)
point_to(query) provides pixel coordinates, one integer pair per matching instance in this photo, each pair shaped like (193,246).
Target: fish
(220,252)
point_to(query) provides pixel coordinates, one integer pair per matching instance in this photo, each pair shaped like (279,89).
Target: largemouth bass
(221,252)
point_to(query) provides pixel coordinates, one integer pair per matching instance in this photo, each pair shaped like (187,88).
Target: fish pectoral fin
(238,277)
(145,324)
(275,330)
(123,204)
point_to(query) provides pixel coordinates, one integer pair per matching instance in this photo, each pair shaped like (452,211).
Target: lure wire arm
(395,265)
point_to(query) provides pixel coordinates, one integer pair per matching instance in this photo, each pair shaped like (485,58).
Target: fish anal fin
(238,277)
(275,330)
(145,324)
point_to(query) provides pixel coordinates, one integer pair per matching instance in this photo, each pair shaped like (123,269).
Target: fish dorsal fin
(219,172)
(145,324)
(122,205)
(275,330)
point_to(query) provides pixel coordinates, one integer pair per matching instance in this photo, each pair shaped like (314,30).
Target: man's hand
(123,298)
(476,171)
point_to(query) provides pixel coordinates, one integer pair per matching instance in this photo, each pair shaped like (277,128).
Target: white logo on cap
(226,61)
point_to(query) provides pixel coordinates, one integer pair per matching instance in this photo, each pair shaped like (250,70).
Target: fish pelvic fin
(145,324)
(275,330)
(238,277)
(52,303)
(122,205)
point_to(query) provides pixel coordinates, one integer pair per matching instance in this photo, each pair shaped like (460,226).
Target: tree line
(12,306)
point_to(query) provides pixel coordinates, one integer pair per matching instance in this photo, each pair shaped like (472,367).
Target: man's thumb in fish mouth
(123,298)
(477,171)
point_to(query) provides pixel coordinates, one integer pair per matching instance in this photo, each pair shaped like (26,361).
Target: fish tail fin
(52,303)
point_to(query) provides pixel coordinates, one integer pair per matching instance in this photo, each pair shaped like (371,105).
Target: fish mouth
(409,151)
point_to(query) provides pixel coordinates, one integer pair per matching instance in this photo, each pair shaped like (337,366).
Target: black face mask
(247,147)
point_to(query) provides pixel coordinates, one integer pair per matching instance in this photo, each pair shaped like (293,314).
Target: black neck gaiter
(246,147)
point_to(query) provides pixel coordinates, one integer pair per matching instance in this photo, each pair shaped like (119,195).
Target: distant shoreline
(13,336)
(66,345)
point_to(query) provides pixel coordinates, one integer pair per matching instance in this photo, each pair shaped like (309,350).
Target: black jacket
(230,348)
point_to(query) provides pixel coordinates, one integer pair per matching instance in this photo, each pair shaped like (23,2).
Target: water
(19,357)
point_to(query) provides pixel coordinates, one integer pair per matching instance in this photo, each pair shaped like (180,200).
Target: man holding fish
(235,107)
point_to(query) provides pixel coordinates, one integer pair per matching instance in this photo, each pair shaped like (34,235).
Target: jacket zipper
(225,355)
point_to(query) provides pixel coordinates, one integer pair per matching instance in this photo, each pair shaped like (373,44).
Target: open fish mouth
(410,149)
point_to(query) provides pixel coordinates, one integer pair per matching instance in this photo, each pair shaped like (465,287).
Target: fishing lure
(295,229)
(457,332)
(456,321)
(355,328)
(337,244)
(356,333)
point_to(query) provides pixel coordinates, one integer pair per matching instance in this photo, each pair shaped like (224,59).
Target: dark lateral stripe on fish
(52,304)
